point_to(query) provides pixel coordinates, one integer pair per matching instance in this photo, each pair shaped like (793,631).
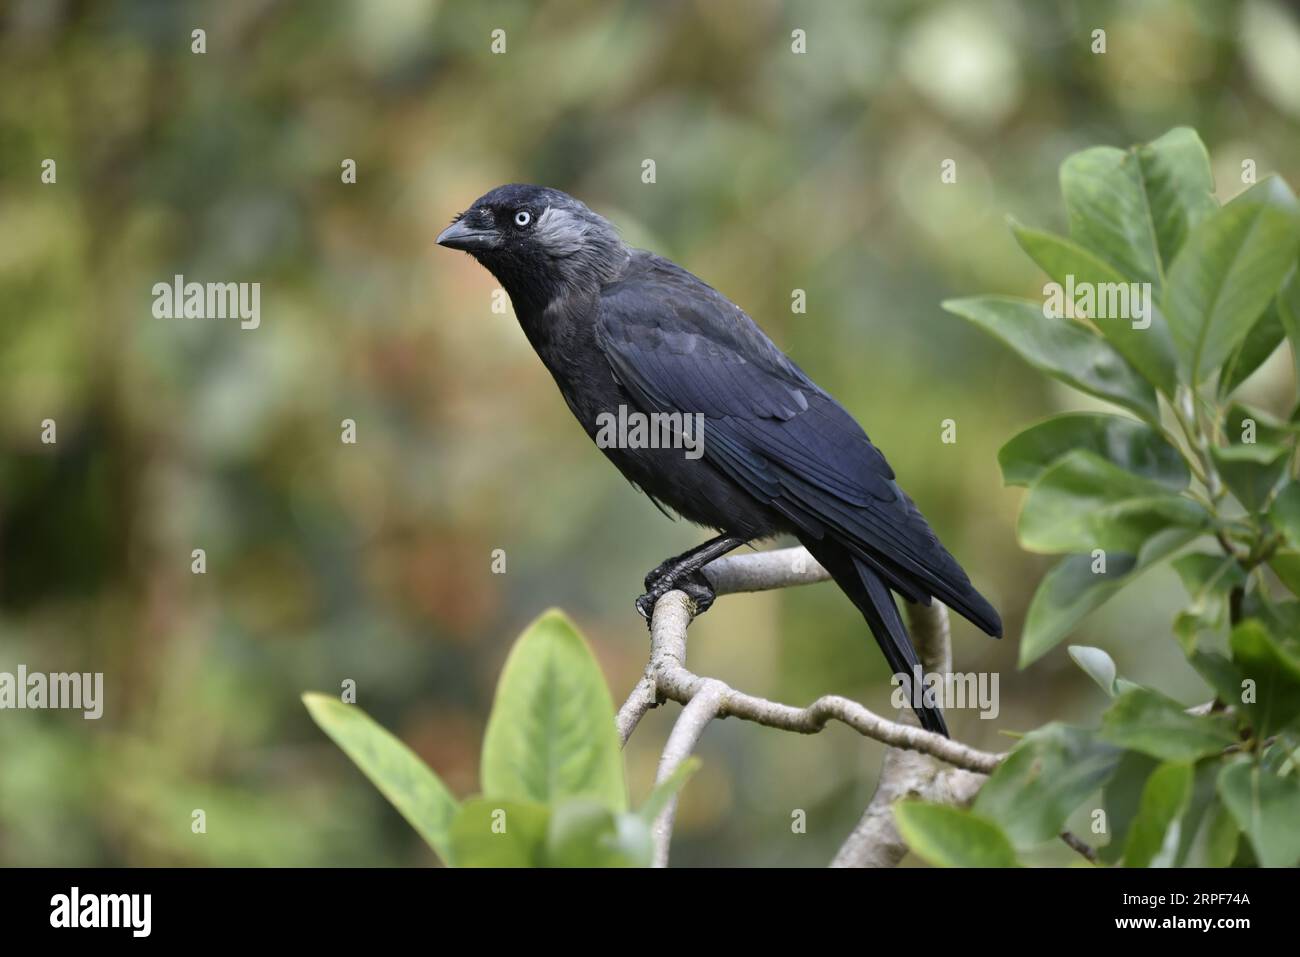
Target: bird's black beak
(462,235)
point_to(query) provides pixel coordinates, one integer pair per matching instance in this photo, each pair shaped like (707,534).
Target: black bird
(621,327)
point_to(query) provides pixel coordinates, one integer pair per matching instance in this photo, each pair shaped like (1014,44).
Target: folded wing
(677,345)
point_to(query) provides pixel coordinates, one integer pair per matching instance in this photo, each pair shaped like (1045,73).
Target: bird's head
(539,242)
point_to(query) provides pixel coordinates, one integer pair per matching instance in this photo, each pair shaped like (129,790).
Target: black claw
(695,585)
(699,589)
(657,575)
(646,606)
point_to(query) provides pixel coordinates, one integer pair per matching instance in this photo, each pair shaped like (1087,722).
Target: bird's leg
(683,573)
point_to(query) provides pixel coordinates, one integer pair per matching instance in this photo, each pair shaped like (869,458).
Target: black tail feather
(866,590)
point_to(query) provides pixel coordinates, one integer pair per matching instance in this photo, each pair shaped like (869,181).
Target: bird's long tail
(874,600)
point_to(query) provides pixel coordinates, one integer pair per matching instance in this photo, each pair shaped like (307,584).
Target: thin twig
(667,678)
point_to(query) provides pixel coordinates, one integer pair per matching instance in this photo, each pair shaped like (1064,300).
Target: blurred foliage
(328,562)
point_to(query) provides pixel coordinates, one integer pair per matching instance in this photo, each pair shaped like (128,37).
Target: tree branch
(667,678)
(875,841)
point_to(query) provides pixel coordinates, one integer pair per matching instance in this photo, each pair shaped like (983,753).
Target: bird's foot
(668,568)
(694,584)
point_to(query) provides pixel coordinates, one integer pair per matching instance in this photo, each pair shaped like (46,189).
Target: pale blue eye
(523,218)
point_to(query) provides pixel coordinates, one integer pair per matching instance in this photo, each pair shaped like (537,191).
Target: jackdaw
(622,328)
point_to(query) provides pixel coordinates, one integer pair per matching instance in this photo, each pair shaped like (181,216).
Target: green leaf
(1282,617)
(1154,835)
(667,789)
(1204,573)
(1286,565)
(1273,191)
(1142,339)
(1222,281)
(551,735)
(1266,808)
(1288,313)
(1146,721)
(1214,843)
(1072,589)
(585,833)
(1061,348)
(1260,343)
(1179,185)
(1285,513)
(1121,798)
(1098,665)
(494,832)
(1084,502)
(1271,328)
(1256,456)
(1251,471)
(1248,425)
(391,766)
(1207,832)
(1209,580)
(1274,667)
(1219,673)
(1048,774)
(949,837)
(1134,207)
(1130,444)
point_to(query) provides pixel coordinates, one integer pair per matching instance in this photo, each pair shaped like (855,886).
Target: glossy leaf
(1286,565)
(1284,515)
(1154,835)
(1207,834)
(1084,502)
(494,832)
(1121,798)
(1142,339)
(1269,330)
(1251,471)
(1222,280)
(1147,721)
(1098,665)
(1288,314)
(1261,342)
(551,735)
(1274,667)
(1220,673)
(950,837)
(1125,442)
(1266,808)
(1256,455)
(1214,842)
(1072,589)
(1047,775)
(408,783)
(1134,208)
(1209,580)
(1063,349)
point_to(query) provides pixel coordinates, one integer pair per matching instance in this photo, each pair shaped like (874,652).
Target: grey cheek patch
(560,233)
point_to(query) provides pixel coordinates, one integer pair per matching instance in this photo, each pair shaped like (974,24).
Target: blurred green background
(372,562)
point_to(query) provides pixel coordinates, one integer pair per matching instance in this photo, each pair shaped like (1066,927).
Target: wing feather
(677,345)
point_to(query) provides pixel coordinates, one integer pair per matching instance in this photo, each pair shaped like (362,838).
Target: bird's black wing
(678,345)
